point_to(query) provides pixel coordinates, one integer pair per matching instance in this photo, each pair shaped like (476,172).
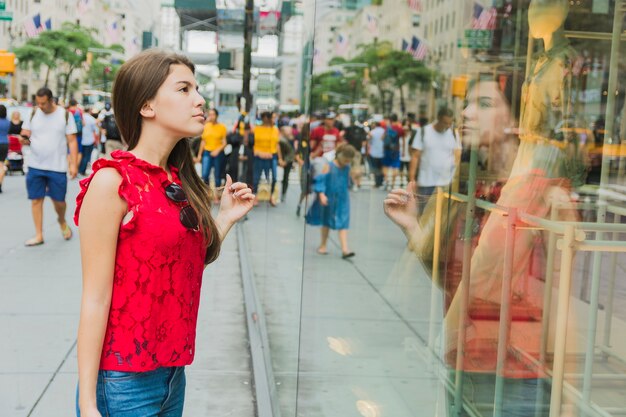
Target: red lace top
(158,273)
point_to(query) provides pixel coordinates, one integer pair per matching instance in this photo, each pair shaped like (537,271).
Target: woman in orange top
(211,151)
(267,153)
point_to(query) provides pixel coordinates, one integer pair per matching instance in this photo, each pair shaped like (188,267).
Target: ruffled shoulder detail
(120,166)
(152,170)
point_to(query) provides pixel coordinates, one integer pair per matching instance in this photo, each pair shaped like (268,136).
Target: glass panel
(490,284)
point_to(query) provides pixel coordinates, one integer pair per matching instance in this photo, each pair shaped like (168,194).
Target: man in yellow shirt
(267,153)
(211,151)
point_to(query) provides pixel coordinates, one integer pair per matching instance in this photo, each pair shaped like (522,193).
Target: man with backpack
(111,132)
(391,158)
(78,115)
(50,132)
(436,153)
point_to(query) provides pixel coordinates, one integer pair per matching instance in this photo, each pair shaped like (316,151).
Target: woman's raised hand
(237,200)
(401,207)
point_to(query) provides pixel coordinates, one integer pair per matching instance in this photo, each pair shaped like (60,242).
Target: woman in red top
(146,235)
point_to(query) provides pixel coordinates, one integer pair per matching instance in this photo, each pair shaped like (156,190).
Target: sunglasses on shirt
(188,216)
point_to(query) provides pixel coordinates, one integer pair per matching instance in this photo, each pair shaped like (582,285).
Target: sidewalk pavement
(39,308)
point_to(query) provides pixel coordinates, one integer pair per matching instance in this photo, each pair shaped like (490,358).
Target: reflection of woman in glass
(485,122)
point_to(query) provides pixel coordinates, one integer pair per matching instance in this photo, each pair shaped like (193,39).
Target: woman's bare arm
(100,218)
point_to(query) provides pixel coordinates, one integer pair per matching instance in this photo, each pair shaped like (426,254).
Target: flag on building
(484,18)
(418,49)
(83,7)
(371,22)
(33,26)
(405,45)
(341,45)
(113,32)
(415,5)
(48,24)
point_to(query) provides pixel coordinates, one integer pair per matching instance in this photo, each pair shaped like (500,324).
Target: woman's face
(15,116)
(486,115)
(178,107)
(211,116)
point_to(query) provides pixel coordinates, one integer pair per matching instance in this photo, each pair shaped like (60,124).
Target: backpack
(110,127)
(392,140)
(78,119)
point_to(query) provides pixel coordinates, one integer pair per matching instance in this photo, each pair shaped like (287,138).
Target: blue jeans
(214,162)
(87,149)
(265,166)
(158,393)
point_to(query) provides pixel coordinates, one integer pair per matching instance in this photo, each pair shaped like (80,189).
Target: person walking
(211,151)
(325,138)
(77,113)
(331,208)
(356,136)
(267,154)
(5,127)
(287,149)
(16,123)
(49,131)
(143,264)
(391,151)
(436,153)
(375,151)
(303,160)
(108,125)
(90,139)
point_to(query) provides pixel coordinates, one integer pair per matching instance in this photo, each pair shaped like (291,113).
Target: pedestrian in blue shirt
(4,141)
(331,205)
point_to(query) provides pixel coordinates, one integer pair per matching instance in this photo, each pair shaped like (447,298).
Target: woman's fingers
(395,199)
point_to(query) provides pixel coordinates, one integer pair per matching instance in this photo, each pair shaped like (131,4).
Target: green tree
(65,49)
(401,69)
(388,70)
(333,88)
(374,55)
(97,70)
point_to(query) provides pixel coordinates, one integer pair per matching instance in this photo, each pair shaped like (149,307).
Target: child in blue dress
(331,205)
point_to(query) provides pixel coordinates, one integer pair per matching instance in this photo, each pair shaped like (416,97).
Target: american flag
(372,24)
(415,5)
(342,45)
(33,26)
(405,45)
(418,49)
(48,24)
(484,18)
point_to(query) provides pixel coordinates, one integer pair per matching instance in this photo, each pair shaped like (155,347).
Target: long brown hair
(137,82)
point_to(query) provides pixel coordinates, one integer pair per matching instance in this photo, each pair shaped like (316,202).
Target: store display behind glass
(504,296)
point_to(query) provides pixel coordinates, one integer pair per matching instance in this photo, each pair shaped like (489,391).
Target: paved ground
(345,336)
(39,305)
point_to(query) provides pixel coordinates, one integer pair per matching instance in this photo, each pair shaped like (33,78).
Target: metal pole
(435,275)
(567,246)
(247,53)
(608,317)
(547,289)
(465,278)
(505,311)
(604,180)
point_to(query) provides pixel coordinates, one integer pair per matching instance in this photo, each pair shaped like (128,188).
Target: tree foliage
(64,50)
(390,71)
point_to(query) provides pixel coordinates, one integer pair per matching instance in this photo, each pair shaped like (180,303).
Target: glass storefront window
(470,259)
